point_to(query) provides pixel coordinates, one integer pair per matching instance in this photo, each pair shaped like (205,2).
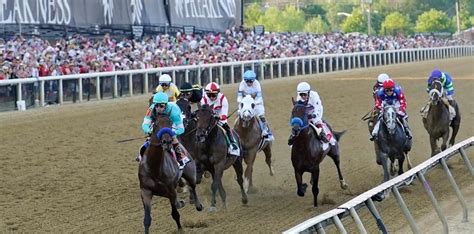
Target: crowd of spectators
(36,57)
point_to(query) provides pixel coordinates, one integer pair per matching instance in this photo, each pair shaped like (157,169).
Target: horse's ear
(293,100)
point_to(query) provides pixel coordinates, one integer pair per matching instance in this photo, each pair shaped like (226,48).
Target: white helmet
(303,87)
(165,78)
(382,77)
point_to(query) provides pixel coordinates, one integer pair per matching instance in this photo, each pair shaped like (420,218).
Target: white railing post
(221,74)
(146,82)
(232,74)
(337,62)
(303,67)
(295,61)
(97,87)
(173,74)
(271,69)
(262,71)
(317,65)
(331,62)
(130,84)
(287,68)
(324,63)
(211,78)
(79,81)
(279,68)
(186,75)
(42,92)
(115,86)
(61,91)
(310,66)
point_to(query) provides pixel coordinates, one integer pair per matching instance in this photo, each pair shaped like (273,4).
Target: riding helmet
(249,75)
(160,97)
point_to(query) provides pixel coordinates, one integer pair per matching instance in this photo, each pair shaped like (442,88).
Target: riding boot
(230,136)
(323,134)
(266,132)
(179,155)
(407,129)
(375,131)
(142,149)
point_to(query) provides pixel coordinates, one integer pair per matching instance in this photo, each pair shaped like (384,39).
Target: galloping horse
(437,120)
(159,174)
(392,142)
(308,151)
(213,156)
(250,132)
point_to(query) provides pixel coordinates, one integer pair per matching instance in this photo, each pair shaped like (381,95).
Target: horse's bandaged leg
(424,110)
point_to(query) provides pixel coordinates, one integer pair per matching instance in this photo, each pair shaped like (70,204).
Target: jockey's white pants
(259,110)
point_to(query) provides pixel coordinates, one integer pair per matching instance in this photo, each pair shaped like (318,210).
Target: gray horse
(437,121)
(392,143)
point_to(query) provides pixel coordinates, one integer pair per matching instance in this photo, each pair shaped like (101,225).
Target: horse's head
(162,129)
(390,118)
(206,121)
(247,110)
(436,91)
(186,113)
(299,118)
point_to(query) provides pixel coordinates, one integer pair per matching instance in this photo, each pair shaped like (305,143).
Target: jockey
(167,87)
(391,94)
(378,85)
(314,110)
(220,105)
(161,105)
(447,82)
(250,86)
(193,93)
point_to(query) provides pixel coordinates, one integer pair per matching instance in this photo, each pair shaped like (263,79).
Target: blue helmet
(160,98)
(436,73)
(249,75)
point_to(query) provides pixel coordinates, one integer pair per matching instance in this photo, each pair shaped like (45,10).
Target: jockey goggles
(160,105)
(211,95)
(389,90)
(303,94)
(165,84)
(248,80)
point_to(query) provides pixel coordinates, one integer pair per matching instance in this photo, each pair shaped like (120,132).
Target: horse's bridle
(298,124)
(205,131)
(246,120)
(166,145)
(434,91)
(390,122)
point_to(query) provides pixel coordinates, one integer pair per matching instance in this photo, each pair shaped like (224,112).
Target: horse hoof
(344,185)
(212,209)
(180,204)
(199,207)
(245,200)
(300,193)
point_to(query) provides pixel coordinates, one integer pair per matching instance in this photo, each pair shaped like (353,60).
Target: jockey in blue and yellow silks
(160,104)
(448,87)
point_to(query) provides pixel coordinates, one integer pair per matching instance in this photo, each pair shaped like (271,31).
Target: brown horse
(212,154)
(437,121)
(158,172)
(308,152)
(250,132)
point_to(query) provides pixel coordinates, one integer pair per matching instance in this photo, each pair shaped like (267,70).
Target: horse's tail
(338,135)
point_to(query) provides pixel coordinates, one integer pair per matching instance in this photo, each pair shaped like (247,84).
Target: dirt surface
(62,170)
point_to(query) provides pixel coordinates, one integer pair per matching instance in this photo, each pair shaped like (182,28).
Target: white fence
(81,87)
(318,223)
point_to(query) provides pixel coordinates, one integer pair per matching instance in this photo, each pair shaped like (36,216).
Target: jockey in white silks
(250,86)
(314,111)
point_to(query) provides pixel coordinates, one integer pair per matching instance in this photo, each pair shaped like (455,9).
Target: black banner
(83,12)
(216,15)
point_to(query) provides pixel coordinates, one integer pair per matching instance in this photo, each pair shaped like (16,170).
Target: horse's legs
(384,159)
(334,154)
(146,200)
(174,209)
(188,175)
(238,168)
(445,140)
(300,187)
(401,159)
(315,189)
(216,181)
(268,157)
(455,125)
(249,160)
(434,146)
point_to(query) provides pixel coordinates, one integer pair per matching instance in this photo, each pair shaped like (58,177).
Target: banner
(83,12)
(215,15)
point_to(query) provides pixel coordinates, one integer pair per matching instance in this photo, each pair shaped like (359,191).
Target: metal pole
(434,202)
(320,228)
(42,93)
(356,218)
(61,97)
(370,205)
(80,89)
(466,161)
(405,211)
(115,86)
(146,82)
(271,69)
(339,225)
(97,87)
(456,189)
(130,84)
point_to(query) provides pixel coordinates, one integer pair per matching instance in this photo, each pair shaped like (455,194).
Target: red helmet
(212,87)
(388,84)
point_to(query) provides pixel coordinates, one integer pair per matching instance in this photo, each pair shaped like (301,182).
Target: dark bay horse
(158,173)
(437,120)
(392,142)
(250,132)
(308,152)
(212,154)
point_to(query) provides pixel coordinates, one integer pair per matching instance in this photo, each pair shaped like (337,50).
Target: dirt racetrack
(61,169)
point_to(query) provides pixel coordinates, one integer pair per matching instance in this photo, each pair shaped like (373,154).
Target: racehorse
(213,156)
(158,172)
(250,132)
(308,151)
(392,142)
(437,120)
